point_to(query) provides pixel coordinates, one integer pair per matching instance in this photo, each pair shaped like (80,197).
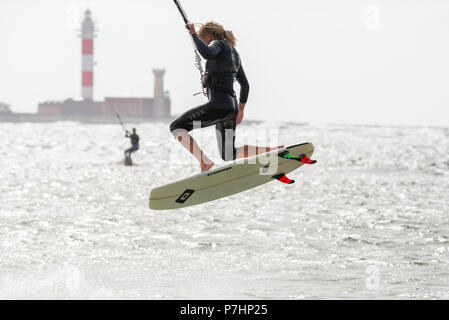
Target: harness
(223,82)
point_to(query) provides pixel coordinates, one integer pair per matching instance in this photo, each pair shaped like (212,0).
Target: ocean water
(369,221)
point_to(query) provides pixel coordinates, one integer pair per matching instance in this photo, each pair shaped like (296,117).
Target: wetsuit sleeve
(244,85)
(207,51)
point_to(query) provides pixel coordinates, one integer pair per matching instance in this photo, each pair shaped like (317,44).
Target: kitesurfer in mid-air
(134,143)
(223,65)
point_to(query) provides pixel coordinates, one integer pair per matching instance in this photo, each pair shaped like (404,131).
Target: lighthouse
(87,64)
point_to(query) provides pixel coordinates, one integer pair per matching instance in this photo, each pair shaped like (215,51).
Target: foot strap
(301,158)
(283,178)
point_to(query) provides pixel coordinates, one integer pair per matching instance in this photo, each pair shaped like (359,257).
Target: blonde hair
(218,32)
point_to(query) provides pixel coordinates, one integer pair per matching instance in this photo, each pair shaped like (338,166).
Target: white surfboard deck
(235,177)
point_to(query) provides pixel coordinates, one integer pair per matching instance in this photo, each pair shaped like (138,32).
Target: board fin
(283,178)
(301,158)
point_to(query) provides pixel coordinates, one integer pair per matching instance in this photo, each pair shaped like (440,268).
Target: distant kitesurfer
(223,66)
(134,143)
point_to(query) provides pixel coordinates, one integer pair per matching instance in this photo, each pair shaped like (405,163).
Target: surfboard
(235,177)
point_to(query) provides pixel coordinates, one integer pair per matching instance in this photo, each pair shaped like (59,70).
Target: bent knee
(177,130)
(173,126)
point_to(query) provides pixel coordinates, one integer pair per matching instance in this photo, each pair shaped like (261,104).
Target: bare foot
(207,166)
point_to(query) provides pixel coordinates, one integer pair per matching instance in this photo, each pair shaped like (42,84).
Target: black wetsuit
(223,65)
(134,142)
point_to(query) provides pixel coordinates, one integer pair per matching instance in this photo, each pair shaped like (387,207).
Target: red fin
(283,178)
(306,160)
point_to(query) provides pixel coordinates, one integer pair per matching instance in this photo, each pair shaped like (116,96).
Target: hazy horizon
(355,61)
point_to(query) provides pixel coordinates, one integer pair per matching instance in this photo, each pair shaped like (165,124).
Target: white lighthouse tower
(87,65)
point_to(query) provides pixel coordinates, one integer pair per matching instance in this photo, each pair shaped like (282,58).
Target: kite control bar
(181,11)
(197,56)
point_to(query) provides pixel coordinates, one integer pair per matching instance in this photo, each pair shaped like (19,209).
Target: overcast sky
(320,61)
